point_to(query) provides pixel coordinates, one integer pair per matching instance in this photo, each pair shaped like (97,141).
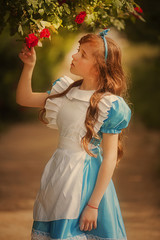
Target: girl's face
(83,61)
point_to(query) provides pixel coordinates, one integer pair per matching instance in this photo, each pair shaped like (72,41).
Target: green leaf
(30,11)
(57,23)
(118,24)
(34,3)
(89,18)
(66,8)
(45,24)
(36,22)
(48,2)
(41,12)
(141,18)
(69,26)
(118,3)
(39,43)
(20,30)
(129,7)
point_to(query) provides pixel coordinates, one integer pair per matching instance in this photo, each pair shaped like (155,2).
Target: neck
(88,85)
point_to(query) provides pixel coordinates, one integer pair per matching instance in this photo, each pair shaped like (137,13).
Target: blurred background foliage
(141,57)
(145,88)
(143,60)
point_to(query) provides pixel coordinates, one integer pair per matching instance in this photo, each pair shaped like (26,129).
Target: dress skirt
(110,225)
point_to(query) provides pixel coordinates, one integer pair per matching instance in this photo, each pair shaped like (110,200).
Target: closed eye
(79,50)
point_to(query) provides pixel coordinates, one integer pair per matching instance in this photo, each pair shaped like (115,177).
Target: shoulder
(60,84)
(113,102)
(115,113)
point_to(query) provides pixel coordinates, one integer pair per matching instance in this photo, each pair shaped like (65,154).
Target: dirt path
(26,148)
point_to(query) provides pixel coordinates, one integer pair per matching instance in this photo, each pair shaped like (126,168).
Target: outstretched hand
(27,56)
(88,219)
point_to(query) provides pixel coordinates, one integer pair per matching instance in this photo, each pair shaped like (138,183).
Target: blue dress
(70,175)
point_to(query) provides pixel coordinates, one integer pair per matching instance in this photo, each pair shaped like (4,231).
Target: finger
(82,226)
(28,53)
(26,48)
(23,55)
(86,226)
(23,50)
(90,226)
(32,50)
(94,224)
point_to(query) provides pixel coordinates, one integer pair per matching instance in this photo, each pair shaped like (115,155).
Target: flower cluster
(32,39)
(80,17)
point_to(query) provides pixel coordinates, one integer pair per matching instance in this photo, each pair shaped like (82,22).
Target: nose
(74,55)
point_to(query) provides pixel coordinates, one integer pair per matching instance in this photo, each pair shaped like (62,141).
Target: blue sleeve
(118,117)
(49,91)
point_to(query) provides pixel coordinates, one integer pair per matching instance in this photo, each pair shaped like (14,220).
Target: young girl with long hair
(77,198)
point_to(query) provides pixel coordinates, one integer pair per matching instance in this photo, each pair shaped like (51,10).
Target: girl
(77,198)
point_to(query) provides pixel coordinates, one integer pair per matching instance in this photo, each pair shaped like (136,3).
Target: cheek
(85,65)
(82,63)
(90,67)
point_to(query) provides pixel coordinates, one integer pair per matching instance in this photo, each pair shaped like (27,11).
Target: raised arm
(24,95)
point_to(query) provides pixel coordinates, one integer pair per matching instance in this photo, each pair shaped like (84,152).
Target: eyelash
(78,51)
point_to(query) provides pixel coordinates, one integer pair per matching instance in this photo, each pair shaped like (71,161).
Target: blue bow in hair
(102,34)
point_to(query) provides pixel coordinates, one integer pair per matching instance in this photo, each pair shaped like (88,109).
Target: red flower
(80,17)
(138,9)
(31,40)
(44,33)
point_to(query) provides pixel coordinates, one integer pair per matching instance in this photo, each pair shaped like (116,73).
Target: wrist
(29,65)
(93,202)
(92,206)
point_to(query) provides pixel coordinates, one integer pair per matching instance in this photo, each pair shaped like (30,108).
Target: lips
(72,64)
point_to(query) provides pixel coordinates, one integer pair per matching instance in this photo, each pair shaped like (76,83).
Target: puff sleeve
(49,91)
(118,117)
(53,105)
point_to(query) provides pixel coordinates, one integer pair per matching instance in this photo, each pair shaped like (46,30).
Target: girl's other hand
(88,219)
(27,56)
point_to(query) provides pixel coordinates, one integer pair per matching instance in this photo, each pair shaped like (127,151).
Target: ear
(96,72)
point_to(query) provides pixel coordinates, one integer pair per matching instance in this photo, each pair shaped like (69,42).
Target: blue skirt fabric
(110,225)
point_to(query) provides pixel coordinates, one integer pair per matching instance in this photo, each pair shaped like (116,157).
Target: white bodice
(68,113)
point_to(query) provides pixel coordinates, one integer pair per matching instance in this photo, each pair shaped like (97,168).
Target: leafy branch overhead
(32,16)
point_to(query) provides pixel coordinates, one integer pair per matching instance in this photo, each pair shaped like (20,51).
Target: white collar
(76,93)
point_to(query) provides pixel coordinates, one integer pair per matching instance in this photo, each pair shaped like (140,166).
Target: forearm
(24,88)
(104,176)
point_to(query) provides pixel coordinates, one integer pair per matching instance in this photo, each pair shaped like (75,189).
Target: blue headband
(102,34)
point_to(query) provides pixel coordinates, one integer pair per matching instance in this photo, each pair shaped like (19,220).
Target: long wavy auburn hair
(111,78)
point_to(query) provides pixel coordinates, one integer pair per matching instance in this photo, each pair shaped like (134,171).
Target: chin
(71,70)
